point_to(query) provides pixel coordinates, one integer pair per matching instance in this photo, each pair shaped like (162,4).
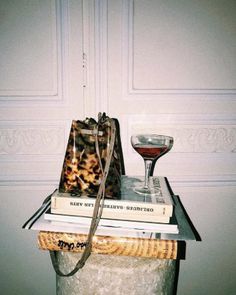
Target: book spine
(104,221)
(112,215)
(137,247)
(79,206)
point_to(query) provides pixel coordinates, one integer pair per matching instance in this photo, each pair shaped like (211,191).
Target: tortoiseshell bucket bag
(92,167)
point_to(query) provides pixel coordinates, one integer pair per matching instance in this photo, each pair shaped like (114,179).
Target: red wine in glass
(150,151)
(150,147)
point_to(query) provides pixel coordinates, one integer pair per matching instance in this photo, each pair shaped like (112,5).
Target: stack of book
(131,216)
(135,225)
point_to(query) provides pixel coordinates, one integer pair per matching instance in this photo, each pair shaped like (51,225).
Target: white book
(170,227)
(131,206)
(41,224)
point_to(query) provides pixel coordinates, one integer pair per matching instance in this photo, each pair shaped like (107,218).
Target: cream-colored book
(131,206)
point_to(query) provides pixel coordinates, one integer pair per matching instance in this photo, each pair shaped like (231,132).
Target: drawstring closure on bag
(98,207)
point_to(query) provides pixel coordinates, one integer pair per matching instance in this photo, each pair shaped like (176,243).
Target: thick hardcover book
(153,248)
(170,227)
(131,206)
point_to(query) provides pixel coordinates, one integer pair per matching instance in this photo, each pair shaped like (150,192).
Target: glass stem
(148,165)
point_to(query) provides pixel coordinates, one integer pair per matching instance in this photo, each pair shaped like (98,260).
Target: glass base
(147,191)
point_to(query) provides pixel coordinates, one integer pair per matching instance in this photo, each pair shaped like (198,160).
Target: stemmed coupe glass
(151,147)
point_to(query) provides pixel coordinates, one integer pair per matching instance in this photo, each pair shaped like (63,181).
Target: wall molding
(180,182)
(203,181)
(198,139)
(101,55)
(208,134)
(32,152)
(59,32)
(27,138)
(132,92)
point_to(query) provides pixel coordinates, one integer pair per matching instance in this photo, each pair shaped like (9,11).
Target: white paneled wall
(144,52)
(171,69)
(41,91)
(41,64)
(158,66)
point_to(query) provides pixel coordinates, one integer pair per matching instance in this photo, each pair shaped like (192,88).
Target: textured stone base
(117,275)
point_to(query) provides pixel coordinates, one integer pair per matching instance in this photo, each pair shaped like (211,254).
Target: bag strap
(97,212)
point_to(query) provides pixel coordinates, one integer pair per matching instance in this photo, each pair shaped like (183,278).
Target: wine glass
(151,147)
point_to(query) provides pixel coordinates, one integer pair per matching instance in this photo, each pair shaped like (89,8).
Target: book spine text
(60,204)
